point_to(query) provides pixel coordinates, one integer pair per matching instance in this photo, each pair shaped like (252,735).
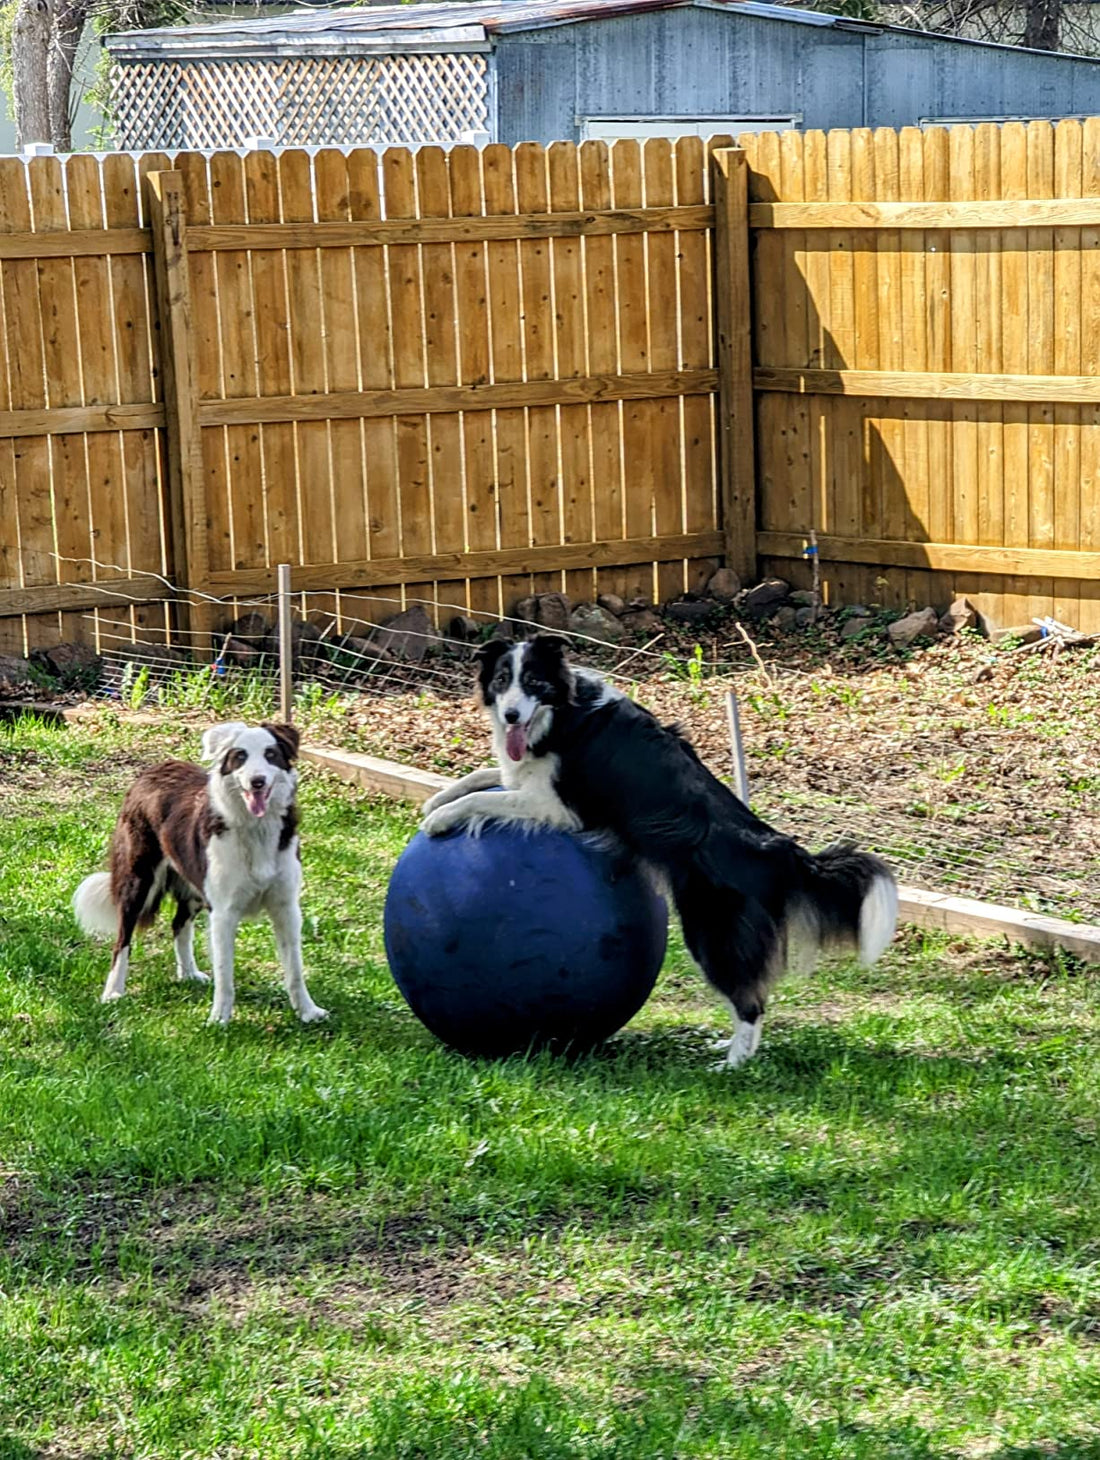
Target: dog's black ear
(490,652)
(550,650)
(549,654)
(286,737)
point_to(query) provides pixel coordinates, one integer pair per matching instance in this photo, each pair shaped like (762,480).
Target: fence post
(733,333)
(186,498)
(286,647)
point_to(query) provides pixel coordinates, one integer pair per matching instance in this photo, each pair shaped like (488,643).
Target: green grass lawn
(880,1238)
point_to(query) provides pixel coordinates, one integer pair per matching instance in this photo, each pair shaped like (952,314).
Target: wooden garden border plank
(212,237)
(937,556)
(984,213)
(915,906)
(928,385)
(324,577)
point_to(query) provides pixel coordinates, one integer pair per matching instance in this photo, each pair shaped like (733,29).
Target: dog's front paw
(193,975)
(220,1014)
(433,803)
(312,1013)
(442,820)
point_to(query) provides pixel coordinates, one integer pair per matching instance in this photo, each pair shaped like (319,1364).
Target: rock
(15,674)
(851,628)
(919,625)
(595,622)
(65,661)
(802,598)
(689,611)
(464,629)
(724,585)
(354,654)
(857,610)
(612,602)
(766,597)
(546,610)
(804,616)
(306,643)
(641,621)
(785,617)
(638,603)
(961,615)
(239,652)
(1020,634)
(409,635)
(162,654)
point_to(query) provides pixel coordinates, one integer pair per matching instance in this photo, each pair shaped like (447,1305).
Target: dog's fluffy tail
(848,901)
(95,907)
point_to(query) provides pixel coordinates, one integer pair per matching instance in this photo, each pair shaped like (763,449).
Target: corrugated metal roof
(447,26)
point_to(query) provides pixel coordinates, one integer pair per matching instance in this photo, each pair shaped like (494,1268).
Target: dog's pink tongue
(256,801)
(515,742)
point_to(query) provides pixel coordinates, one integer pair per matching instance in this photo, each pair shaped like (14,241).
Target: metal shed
(544,70)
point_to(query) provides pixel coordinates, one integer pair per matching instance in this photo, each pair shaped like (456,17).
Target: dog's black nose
(511,716)
(259,782)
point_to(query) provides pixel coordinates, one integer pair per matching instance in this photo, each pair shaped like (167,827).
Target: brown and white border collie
(573,752)
(226,840)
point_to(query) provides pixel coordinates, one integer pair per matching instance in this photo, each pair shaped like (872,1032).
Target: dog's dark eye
(233,761)
(273,756)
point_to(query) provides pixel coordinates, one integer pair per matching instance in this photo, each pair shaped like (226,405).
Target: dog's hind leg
(737,948)
(183,935)
(132,900)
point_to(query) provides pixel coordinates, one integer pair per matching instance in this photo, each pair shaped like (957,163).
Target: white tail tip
(878,918)
(94,908)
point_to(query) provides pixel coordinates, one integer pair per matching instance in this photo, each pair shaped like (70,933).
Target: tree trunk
(68,27)
(30,46)
(1042,31)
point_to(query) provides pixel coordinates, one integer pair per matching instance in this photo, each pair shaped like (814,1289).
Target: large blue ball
(512,939)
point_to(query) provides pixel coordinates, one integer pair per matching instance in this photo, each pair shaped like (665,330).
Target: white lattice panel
(346,101)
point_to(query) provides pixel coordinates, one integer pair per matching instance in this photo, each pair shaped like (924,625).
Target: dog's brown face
(254,762)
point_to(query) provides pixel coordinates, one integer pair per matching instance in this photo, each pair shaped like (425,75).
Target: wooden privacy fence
(927,353)
(461,377)
(457,377)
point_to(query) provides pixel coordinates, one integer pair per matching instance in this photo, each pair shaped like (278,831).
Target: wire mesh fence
(970,769)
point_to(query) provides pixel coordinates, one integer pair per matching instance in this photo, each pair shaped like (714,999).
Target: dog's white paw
(220,1014)
(719,1046)
(195,975)
(433,803)
(441,821)
(742,1047)
(312,1013)
(111,996)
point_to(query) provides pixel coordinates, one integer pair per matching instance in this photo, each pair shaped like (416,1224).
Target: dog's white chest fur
(244,863)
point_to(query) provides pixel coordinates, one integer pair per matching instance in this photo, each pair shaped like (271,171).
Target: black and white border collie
(575,753)
(226,840)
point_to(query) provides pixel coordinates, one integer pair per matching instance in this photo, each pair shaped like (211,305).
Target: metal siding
(536,87)
(912,78)
(681,62)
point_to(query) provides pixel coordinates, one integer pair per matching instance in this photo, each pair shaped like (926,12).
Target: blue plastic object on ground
(512,940)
